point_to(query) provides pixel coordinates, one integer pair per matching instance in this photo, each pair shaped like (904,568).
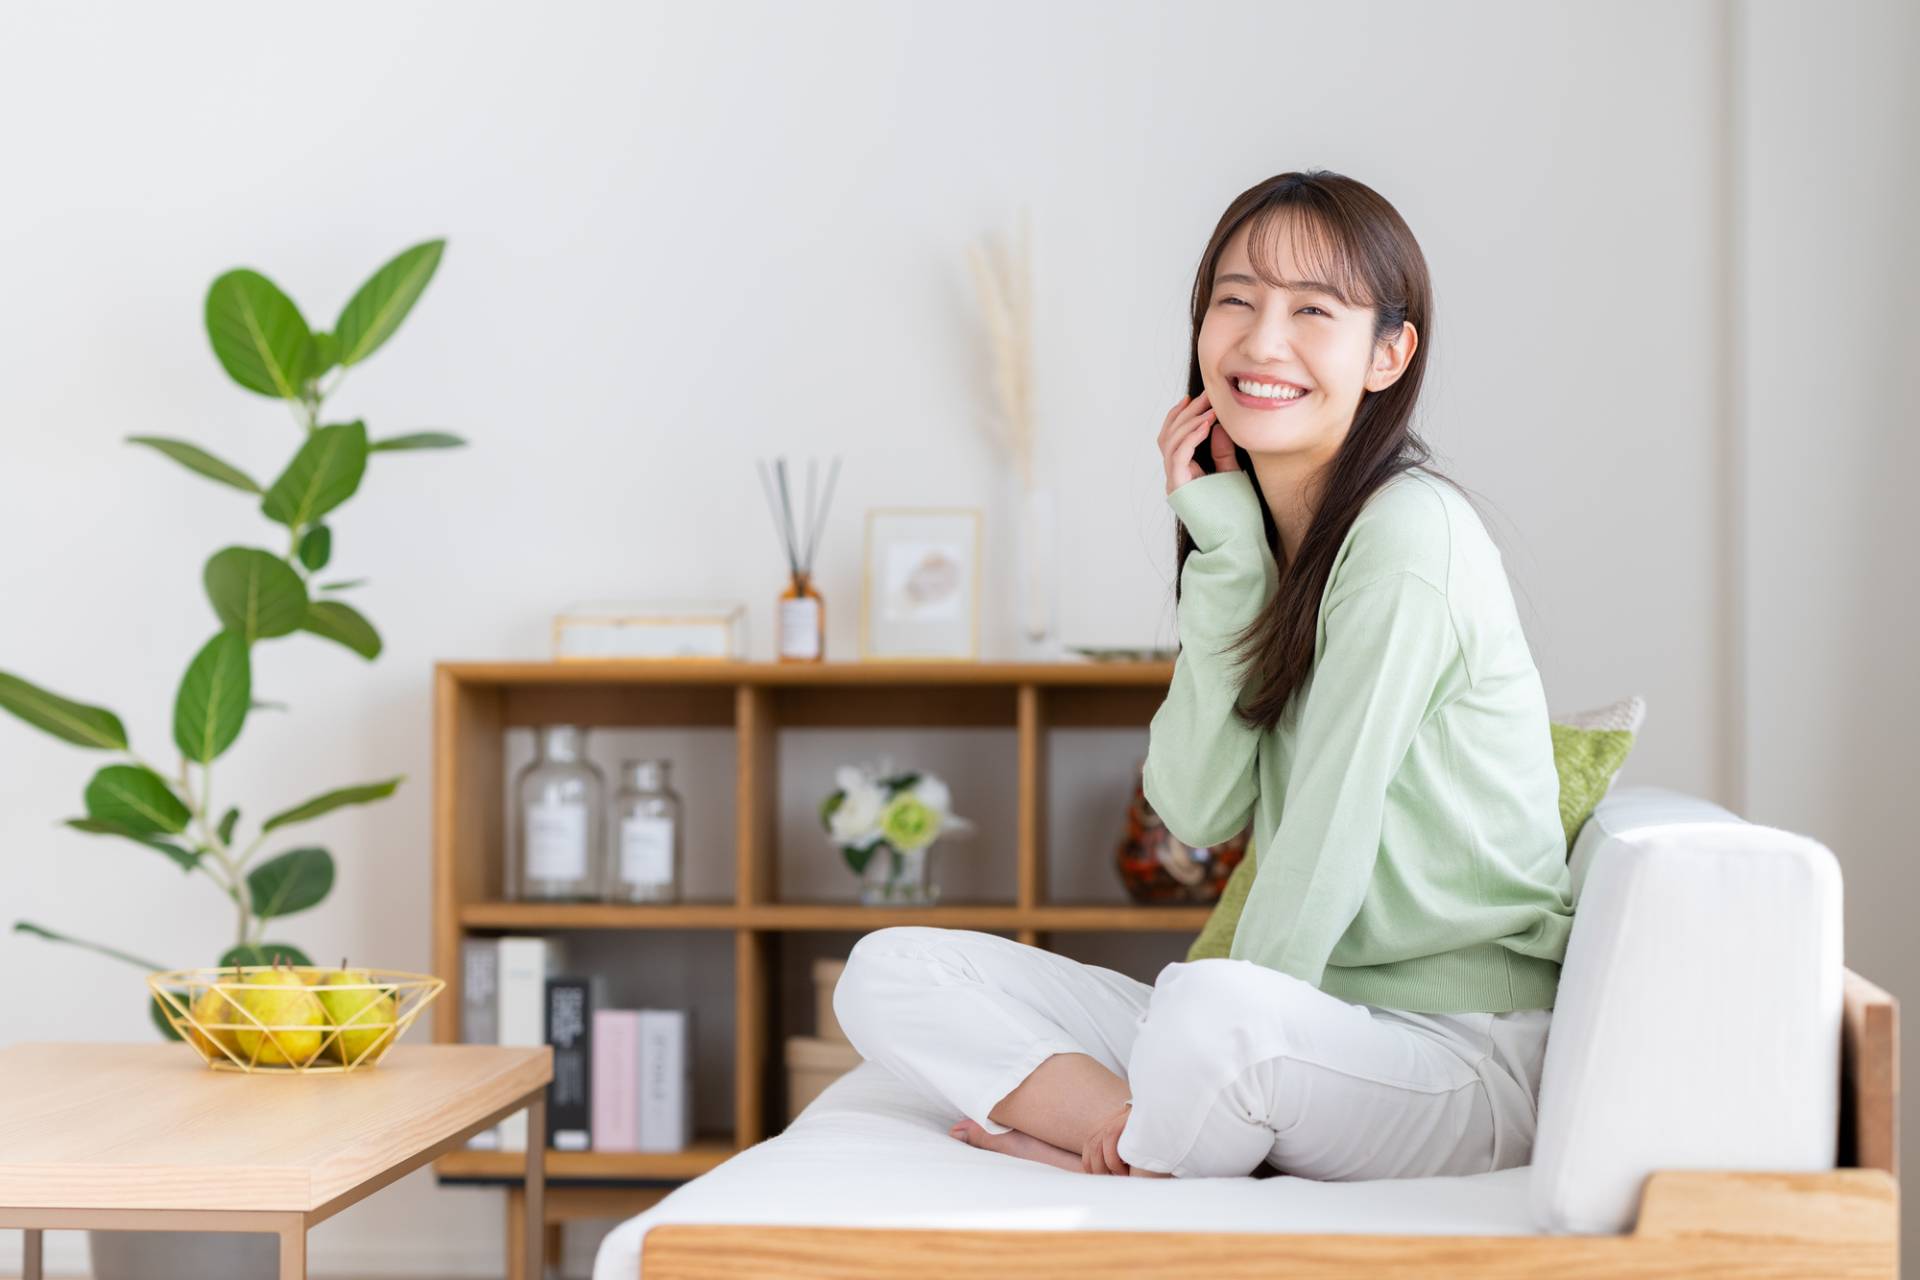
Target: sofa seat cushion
(871,1152)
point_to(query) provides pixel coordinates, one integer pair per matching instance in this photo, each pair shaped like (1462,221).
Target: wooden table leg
(516,1233)
(293,1252)
(30,1260)
(534,1233)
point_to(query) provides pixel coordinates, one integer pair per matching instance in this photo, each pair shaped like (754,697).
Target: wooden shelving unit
(476,703)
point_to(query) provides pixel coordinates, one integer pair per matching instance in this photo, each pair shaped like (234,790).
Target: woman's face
(1302,340)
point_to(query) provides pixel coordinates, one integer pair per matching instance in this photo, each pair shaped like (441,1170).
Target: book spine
(665,1081)
(480,1011)
(569,1029)
(524,966)
(616,1080)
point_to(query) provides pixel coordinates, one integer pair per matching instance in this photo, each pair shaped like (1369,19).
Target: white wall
(1831,282)
(682,236)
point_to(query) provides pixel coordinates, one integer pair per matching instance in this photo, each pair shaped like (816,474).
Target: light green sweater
(1407,836)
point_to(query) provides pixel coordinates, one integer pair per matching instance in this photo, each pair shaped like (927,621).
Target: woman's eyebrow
(1295,286)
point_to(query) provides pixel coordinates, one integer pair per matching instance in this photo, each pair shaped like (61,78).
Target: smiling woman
(1384,1007)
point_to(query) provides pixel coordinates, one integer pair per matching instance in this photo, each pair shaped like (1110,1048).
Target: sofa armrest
(1697,1024)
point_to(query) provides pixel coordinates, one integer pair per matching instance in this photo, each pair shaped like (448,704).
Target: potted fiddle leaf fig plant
(257,595)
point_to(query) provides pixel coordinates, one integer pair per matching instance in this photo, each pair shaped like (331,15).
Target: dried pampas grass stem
(1003,282)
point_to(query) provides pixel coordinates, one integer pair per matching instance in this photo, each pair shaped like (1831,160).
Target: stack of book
(622,1078)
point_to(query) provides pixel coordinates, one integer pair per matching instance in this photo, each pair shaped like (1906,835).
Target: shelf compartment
(707,1151)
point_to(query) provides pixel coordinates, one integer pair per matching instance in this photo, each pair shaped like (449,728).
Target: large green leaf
(293,881)
(376,310)
(321,476)
(213,699)
(74,722)
(135,797)
(262,953)
(259,336)
(256,593)
(194,458)
(343,624)
(185,859)
(417,440)
(316,548)
(365,793)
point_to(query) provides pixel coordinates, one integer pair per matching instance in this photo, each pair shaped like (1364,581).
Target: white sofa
(1697,1026)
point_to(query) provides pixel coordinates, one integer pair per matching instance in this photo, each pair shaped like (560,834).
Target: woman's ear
(1390,357)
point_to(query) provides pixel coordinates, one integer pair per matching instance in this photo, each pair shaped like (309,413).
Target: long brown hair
(1345,233)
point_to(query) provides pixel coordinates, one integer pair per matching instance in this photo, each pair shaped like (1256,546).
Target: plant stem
(230,879)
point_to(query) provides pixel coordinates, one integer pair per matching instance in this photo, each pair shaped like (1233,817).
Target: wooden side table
(147,1137)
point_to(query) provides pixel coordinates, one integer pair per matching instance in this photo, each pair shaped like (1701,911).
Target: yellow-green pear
(212,1007)
(281,1001)
(365,1016)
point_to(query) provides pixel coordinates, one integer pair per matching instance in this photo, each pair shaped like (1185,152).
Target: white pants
(1230,1064)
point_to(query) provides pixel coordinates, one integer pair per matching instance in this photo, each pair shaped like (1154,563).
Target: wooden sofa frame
(1835,1224)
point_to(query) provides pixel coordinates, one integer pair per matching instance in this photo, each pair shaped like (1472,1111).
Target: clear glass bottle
(561,821)
(647,836)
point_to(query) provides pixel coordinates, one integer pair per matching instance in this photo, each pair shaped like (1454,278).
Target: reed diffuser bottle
(800,618)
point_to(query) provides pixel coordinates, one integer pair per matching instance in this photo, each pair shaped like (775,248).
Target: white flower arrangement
(874,809)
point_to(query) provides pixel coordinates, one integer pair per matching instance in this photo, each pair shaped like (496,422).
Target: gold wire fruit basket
(291,1017)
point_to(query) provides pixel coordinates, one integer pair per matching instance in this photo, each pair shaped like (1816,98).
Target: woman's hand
(1102,1152)
(1186,423)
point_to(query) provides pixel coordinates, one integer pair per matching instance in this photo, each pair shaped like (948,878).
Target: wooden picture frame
(920,584)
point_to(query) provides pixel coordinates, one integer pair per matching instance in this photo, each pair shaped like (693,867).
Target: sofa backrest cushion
(1697,1021)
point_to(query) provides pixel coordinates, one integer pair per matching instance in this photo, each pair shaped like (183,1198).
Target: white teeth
(1270,392)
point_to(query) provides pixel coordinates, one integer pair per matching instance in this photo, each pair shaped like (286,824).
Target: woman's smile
(1265,402)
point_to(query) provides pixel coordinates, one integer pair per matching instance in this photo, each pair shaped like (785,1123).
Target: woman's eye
(1243,302)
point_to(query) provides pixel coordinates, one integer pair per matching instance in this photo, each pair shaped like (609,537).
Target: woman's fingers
(1187,425)
(1181,417)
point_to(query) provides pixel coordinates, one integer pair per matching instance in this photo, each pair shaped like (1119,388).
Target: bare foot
(1138,1172)
(1015,1143)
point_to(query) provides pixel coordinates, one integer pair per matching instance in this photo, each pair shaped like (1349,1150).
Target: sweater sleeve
(1388,643)
(1200,768)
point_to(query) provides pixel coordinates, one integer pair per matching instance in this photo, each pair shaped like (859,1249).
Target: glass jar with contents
(647,836)
(560,827)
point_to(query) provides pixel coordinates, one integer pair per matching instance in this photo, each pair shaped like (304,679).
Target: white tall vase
(1038,574)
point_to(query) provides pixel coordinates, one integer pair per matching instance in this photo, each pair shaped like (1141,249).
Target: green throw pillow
(1588,750)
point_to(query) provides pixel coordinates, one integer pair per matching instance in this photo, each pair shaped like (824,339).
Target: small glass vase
(899,877)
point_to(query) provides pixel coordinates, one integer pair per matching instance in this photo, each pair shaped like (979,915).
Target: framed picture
(920,583)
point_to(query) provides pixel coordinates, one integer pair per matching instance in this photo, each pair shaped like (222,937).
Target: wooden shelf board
(707,1151)
(850,917)
(601,915)
(686,671)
